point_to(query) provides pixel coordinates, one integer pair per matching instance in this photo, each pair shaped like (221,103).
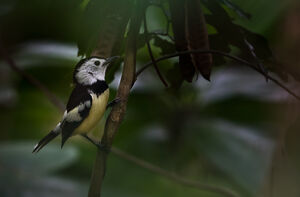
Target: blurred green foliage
(219,133)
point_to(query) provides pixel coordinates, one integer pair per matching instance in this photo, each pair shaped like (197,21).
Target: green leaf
(112,69)
(235,8)
(91,21)
(226,144)
(103,22)
(165,45)
(18,157)
(16,186)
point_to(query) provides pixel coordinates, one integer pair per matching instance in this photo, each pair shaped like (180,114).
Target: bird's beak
(111,59)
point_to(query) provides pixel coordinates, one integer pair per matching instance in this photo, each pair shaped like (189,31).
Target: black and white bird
(87,102)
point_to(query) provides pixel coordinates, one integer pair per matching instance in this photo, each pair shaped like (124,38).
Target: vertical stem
(114,120)
(150,52)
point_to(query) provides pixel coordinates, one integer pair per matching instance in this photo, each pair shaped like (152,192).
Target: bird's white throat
(91,71)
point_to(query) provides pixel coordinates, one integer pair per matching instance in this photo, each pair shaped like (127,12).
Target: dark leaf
(166,46)
(231,34)
(141,41)
(235,35)
(112,69)
(235,8)
(101,21)
(253,52)
(216,41)
(186,67)
(178,24)
(174,77)
(197,37)
(228,32)
(90,26)
(257,43)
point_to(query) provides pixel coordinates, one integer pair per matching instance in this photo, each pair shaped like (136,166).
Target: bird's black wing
(78,108)
(79,95)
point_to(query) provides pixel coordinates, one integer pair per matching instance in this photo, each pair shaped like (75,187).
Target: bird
(87,102)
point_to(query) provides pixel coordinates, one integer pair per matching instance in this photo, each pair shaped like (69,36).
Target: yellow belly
(96,113)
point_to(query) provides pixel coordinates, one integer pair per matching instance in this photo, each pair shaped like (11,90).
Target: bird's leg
(98,144)
(113,102)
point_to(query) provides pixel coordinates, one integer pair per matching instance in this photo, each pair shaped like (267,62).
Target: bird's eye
(97,63)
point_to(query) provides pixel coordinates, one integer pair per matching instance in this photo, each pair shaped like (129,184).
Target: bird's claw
(103,147)
(114,102)
(98,144)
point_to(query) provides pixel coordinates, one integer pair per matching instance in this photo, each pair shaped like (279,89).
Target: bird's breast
(97,110)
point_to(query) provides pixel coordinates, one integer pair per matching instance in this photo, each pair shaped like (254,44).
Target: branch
(252,52)
(51,97)
(150,52)
(215,52)
(112,30)
(118,111)
(172,176)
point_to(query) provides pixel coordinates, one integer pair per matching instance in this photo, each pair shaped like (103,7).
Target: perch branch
(215,52)
(118,111)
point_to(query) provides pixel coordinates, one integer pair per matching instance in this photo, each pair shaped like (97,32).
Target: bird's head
(90,70)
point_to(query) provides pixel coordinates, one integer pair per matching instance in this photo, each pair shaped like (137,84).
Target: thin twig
(150,52)
(172,176)
(52,98)
(155,33)
(259,64)
(240,60)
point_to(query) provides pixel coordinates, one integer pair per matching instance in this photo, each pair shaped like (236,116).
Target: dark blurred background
(237,131)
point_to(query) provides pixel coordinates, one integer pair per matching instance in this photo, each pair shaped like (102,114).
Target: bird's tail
(45,141)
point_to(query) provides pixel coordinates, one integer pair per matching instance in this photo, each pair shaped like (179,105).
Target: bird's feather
(50,136)
(78,109)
